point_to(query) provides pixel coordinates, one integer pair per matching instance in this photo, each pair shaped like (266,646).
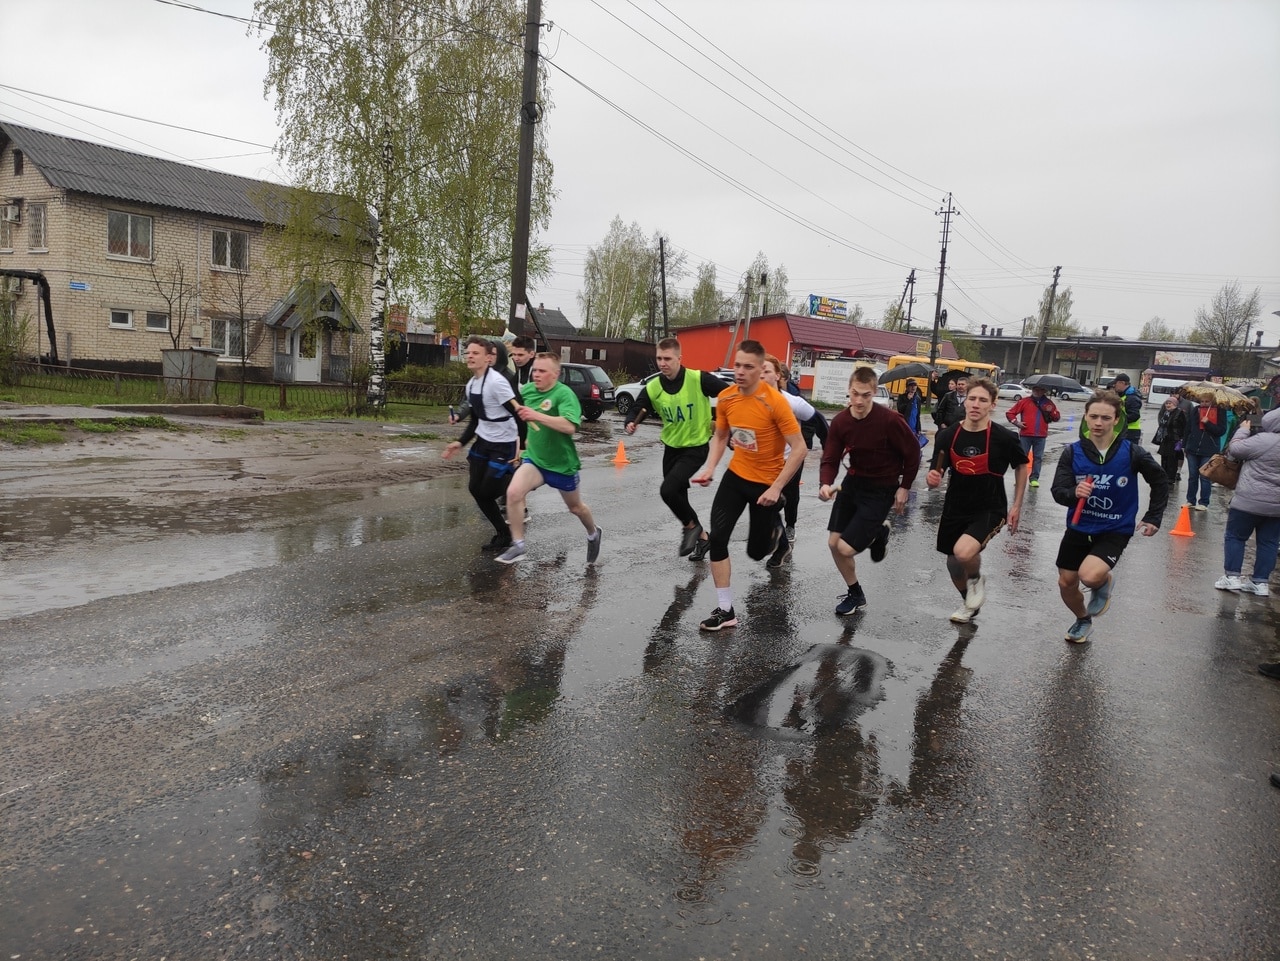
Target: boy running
(883,457)
(1096,482)
(552,414)
(681,397)
(978,453)
(761,424)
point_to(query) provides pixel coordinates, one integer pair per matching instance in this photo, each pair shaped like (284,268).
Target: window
(6,235)
(595,353)
(128,235)
(122,318)
(17,163)
(157,320)
(231,249)
(228,337)
(37,226)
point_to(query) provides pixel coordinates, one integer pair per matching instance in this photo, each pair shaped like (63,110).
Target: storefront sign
(828,307)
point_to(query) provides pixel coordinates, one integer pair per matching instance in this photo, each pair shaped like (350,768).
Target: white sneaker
(976,594)
(963,616)
(1230,582)
(1261,588)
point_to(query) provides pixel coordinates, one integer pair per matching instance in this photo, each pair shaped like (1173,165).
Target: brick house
(144,254)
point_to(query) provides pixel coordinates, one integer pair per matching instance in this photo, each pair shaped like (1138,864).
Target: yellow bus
(973,368)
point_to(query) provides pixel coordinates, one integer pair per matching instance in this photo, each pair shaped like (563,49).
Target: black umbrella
(1054,382)
(904,371)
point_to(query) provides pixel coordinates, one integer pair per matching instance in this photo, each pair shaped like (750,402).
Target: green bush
(454,372)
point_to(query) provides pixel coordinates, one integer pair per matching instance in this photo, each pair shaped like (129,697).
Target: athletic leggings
(733,496)
(491,472)
(791,492)
(678,465)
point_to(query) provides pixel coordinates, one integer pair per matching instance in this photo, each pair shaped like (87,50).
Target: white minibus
(1161,388)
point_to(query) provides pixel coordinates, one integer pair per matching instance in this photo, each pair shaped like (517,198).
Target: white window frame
(6,236)
(229,246)
(37,218)
(151,236)
(157,313)
(219,343)
(111,319)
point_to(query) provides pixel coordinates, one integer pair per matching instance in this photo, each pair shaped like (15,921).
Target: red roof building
(799,341)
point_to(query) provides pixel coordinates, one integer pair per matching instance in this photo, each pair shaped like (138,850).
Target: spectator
(1255,508)
(1037,413)
(1205,427)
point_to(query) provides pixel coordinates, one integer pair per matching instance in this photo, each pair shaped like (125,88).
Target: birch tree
(400,121)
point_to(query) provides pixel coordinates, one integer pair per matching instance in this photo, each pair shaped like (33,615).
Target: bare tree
(1226,323)
(172,286)
(234,296)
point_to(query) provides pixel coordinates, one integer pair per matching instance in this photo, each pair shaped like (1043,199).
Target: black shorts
(858,514)
(981,527)
(1075,547)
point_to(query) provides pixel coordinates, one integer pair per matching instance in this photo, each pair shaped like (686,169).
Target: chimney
(984,330)
(1258,342)
(1000,332)
(1104,330)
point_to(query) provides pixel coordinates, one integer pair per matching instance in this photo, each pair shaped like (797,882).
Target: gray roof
(90,168)
(554,323)
(309,301)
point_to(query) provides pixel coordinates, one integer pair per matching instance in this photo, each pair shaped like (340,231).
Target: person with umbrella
(1255,508)
(950,409)
(1037,413)
(1096,481)
(1205,427)
(910,406)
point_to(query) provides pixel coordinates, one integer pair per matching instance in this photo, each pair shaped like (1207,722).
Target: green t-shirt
(547,448)
(686,414)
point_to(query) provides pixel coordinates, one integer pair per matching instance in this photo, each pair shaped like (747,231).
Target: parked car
(626,395)
(592,386)
(1073,394)
(1011,392)
(883,399)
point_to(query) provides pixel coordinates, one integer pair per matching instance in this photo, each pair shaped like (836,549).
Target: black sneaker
(498,544)
(689,539)
(855,600)
(778,534)
(881,544)
(719,620)
(780,553)
(700,549)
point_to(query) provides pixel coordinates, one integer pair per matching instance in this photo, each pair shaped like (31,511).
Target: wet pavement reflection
(362,738)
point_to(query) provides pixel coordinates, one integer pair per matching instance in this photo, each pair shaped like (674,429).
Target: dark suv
(592,385)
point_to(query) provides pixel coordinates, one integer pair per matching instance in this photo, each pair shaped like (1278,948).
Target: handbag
(1221,469)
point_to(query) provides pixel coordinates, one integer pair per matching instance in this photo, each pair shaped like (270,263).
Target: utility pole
(939,315)
(662,271)
(909,296)
(530,115)
(1044,321)
(746,313)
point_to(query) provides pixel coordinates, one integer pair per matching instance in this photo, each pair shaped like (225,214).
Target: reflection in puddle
(825,691)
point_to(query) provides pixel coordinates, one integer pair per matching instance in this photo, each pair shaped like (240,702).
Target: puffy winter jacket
(1258,490)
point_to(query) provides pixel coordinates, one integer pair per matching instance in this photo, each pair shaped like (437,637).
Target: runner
(522,353)
(761,424)
(681,397)
(497,433)
(775,375)
(552,414)
(978,453)
(1095,481)
(883,457)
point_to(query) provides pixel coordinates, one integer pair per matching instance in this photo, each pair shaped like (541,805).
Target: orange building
(798,341)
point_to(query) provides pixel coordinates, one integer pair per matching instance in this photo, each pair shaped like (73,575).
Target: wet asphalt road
(324,726)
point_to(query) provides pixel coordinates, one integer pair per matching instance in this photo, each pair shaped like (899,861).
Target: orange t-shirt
(757,424)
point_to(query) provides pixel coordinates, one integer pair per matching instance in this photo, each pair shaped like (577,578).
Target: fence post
(284,401)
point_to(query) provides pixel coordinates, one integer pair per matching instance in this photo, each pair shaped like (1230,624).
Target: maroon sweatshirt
(881,449)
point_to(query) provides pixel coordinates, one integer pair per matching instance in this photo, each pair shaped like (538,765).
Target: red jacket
(1036,418)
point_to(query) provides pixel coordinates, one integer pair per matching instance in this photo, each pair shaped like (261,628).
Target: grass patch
(119,424)
(230,434)
(21,434)
(428,435)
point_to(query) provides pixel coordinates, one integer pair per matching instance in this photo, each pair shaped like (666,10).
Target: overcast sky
(1136,143)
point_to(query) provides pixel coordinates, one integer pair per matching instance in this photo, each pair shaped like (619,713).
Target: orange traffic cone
(620,458)
(1183,527)
(1031,462)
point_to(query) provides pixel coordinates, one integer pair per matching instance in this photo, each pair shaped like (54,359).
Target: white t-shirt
(801,408)
(495,390)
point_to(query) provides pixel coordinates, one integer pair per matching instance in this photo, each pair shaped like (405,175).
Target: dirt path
(220,462)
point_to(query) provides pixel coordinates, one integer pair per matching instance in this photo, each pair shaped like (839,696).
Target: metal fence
(87,387)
